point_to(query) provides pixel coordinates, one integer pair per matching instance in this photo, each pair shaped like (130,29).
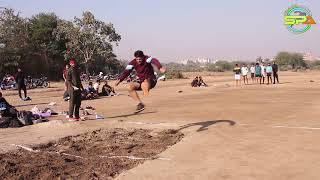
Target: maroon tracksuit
(144,70)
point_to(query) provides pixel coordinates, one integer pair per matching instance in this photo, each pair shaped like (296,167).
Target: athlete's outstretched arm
(125,73)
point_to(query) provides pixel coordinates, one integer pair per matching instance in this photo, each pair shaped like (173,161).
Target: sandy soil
(246,132)
(100,154)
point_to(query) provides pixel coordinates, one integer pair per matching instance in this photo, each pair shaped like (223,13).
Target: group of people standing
(258,73)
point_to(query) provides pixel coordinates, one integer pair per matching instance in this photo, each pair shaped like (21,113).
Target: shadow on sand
(131,114)
(205,124)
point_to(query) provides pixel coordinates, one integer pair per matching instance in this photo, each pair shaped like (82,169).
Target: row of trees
(286,60)
(43,43)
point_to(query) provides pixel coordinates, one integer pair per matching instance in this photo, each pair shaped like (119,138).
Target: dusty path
(247,132)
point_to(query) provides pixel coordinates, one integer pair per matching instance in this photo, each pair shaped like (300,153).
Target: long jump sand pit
(100,154)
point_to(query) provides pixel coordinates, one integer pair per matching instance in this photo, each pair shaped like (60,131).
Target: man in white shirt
(244,72)
(96,86)
(253,70)
(263,72)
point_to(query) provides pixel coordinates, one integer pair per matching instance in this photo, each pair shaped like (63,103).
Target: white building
(199,60)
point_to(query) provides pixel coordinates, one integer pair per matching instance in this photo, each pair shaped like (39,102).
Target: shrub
(174,74)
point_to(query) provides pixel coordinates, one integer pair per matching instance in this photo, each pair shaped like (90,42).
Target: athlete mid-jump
(147,80)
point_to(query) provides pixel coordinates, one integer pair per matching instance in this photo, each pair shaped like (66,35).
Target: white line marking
(25,148)
(288,127)
(292,127)
(135,158)
(161,124)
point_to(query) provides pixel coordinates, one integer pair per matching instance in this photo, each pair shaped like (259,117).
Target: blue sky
(173,30)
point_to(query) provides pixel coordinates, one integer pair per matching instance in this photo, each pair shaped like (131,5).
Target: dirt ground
(246,132)
(100,154)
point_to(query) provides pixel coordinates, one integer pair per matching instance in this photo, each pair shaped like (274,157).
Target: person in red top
(147,80)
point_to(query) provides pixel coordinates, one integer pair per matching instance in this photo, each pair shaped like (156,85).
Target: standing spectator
(269,72)
(244,72)
(20,77)
(237,74)
(263,72)
(252,70)
(275,70)
(75,87)
(258,73)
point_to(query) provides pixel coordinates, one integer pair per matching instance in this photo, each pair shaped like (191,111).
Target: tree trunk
(86,65)
(87,69)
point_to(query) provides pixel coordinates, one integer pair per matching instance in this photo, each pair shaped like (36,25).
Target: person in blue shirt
(269,73)
(258,72)
(90,92)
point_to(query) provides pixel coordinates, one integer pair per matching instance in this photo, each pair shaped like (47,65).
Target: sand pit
(99,154)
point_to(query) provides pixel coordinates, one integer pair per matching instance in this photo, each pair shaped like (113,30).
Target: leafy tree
(14,38)
(91,37)
(290,59)
(259,59)
(224,65)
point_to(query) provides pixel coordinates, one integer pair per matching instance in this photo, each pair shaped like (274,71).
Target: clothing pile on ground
(11,117)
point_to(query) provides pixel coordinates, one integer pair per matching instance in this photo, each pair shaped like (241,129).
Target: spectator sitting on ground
(6,109)
(96,86)
(201,82)
(90,92)
(195,82)
(107,90)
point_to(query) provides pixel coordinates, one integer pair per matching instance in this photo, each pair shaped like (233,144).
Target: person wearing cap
(147,80)
(74,87)
(20,77)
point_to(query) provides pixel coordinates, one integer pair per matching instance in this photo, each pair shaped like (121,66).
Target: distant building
(199,61)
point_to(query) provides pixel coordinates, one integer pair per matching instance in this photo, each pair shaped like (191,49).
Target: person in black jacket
(74,87)
(6,109)
(21,84)
(275,70)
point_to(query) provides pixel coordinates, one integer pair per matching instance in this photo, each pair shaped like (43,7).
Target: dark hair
(90,83)
(236,64)
(138,54)
(257,63)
